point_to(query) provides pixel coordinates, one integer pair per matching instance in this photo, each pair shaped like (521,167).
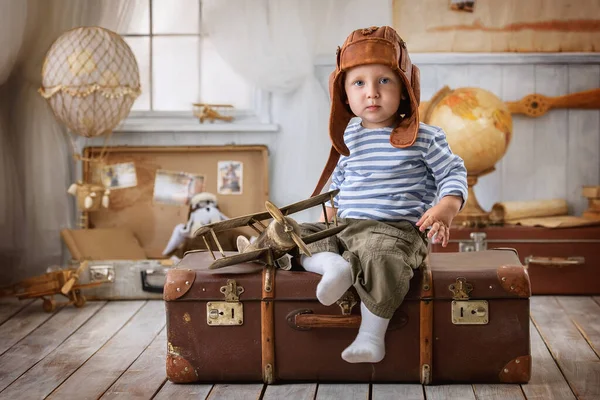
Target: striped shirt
(378,181)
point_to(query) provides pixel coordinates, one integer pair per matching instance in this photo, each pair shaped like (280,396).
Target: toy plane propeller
(280,236)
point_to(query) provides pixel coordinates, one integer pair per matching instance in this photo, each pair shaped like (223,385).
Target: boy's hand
(439,218)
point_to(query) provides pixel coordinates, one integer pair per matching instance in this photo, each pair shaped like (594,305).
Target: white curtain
(274,44)
(12,26)
(43,157)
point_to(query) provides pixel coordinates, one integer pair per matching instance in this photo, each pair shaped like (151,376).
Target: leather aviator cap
(374,45)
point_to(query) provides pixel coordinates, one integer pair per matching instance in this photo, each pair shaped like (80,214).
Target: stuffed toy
(203,211)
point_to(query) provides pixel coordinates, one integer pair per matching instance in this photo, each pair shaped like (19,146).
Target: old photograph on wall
(230,177)
(119,176)
(176,187)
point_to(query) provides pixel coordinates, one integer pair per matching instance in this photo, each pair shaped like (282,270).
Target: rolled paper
(514,210)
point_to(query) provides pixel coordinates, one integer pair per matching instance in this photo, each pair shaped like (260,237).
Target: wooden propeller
(532,105)
(66,288)
(535,105)
(288,228)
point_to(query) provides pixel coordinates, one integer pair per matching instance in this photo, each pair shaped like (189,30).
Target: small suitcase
(465,319)
(126,279)
(559,261)
(115,257)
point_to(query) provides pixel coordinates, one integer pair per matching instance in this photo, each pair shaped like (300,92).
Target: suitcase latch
(229,312)
(465,311)
(477,243)
(470,312)
(102,273)
(346,303)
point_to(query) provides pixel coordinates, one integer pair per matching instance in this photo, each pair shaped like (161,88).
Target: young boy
(390,170)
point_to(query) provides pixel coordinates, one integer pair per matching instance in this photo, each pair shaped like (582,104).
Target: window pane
(141,49)
(140,16)
(179,16)
(175,63)
(219,83)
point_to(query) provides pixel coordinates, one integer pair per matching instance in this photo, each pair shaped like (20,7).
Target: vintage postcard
(119,176)
(230,177)
(176,187)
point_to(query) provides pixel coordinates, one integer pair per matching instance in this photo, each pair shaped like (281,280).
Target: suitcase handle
(554,262)
(305,319)
(148,287)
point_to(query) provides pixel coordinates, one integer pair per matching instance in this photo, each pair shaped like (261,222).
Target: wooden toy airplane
(280,236)
(208,112)
(63,282)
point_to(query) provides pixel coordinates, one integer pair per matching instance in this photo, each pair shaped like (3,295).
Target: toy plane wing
(323,234)
(232,223)
(256,255)
(250,219)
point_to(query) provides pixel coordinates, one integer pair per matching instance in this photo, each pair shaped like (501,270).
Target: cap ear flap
(340,115)
(405,133)
(415,83)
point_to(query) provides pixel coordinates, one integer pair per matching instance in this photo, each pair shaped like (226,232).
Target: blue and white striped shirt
(378,181)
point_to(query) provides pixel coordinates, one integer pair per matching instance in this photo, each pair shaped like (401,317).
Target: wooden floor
(117,350)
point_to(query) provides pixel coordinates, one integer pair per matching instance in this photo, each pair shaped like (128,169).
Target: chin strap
(334,156)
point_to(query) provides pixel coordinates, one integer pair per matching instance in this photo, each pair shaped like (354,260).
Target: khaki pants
(382,257)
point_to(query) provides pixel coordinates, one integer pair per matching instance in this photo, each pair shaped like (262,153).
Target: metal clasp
(461,289)
(346,303)
(477,243)
(102,273)
(232,291)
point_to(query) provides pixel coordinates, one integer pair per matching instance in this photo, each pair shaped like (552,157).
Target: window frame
(256,118)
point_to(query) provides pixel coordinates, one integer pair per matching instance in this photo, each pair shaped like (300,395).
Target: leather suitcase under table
(465,319)
(559,261)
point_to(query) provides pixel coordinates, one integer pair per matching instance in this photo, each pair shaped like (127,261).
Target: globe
(478,128)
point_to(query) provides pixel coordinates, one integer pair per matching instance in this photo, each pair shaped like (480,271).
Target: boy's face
(373,93)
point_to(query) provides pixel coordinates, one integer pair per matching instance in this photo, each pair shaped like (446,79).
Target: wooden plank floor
(117,349)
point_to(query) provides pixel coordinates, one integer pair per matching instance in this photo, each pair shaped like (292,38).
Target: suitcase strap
(426,325)
(267,324)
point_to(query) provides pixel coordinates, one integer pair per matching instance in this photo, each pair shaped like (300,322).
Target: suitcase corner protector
(514,279)
(517,370)
(179,370)
(178,282)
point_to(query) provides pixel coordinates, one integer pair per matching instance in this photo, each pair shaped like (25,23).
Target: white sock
(369,345)
(337,275)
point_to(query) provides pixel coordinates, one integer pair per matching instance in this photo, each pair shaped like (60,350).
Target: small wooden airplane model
(280,236)
(63,282)
(209,112)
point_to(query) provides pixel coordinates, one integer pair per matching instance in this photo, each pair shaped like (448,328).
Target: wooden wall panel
(550,132)
(583,141)
(517,165)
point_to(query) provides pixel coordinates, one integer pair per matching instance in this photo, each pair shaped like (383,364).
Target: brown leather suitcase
(559,261)
(465,319)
